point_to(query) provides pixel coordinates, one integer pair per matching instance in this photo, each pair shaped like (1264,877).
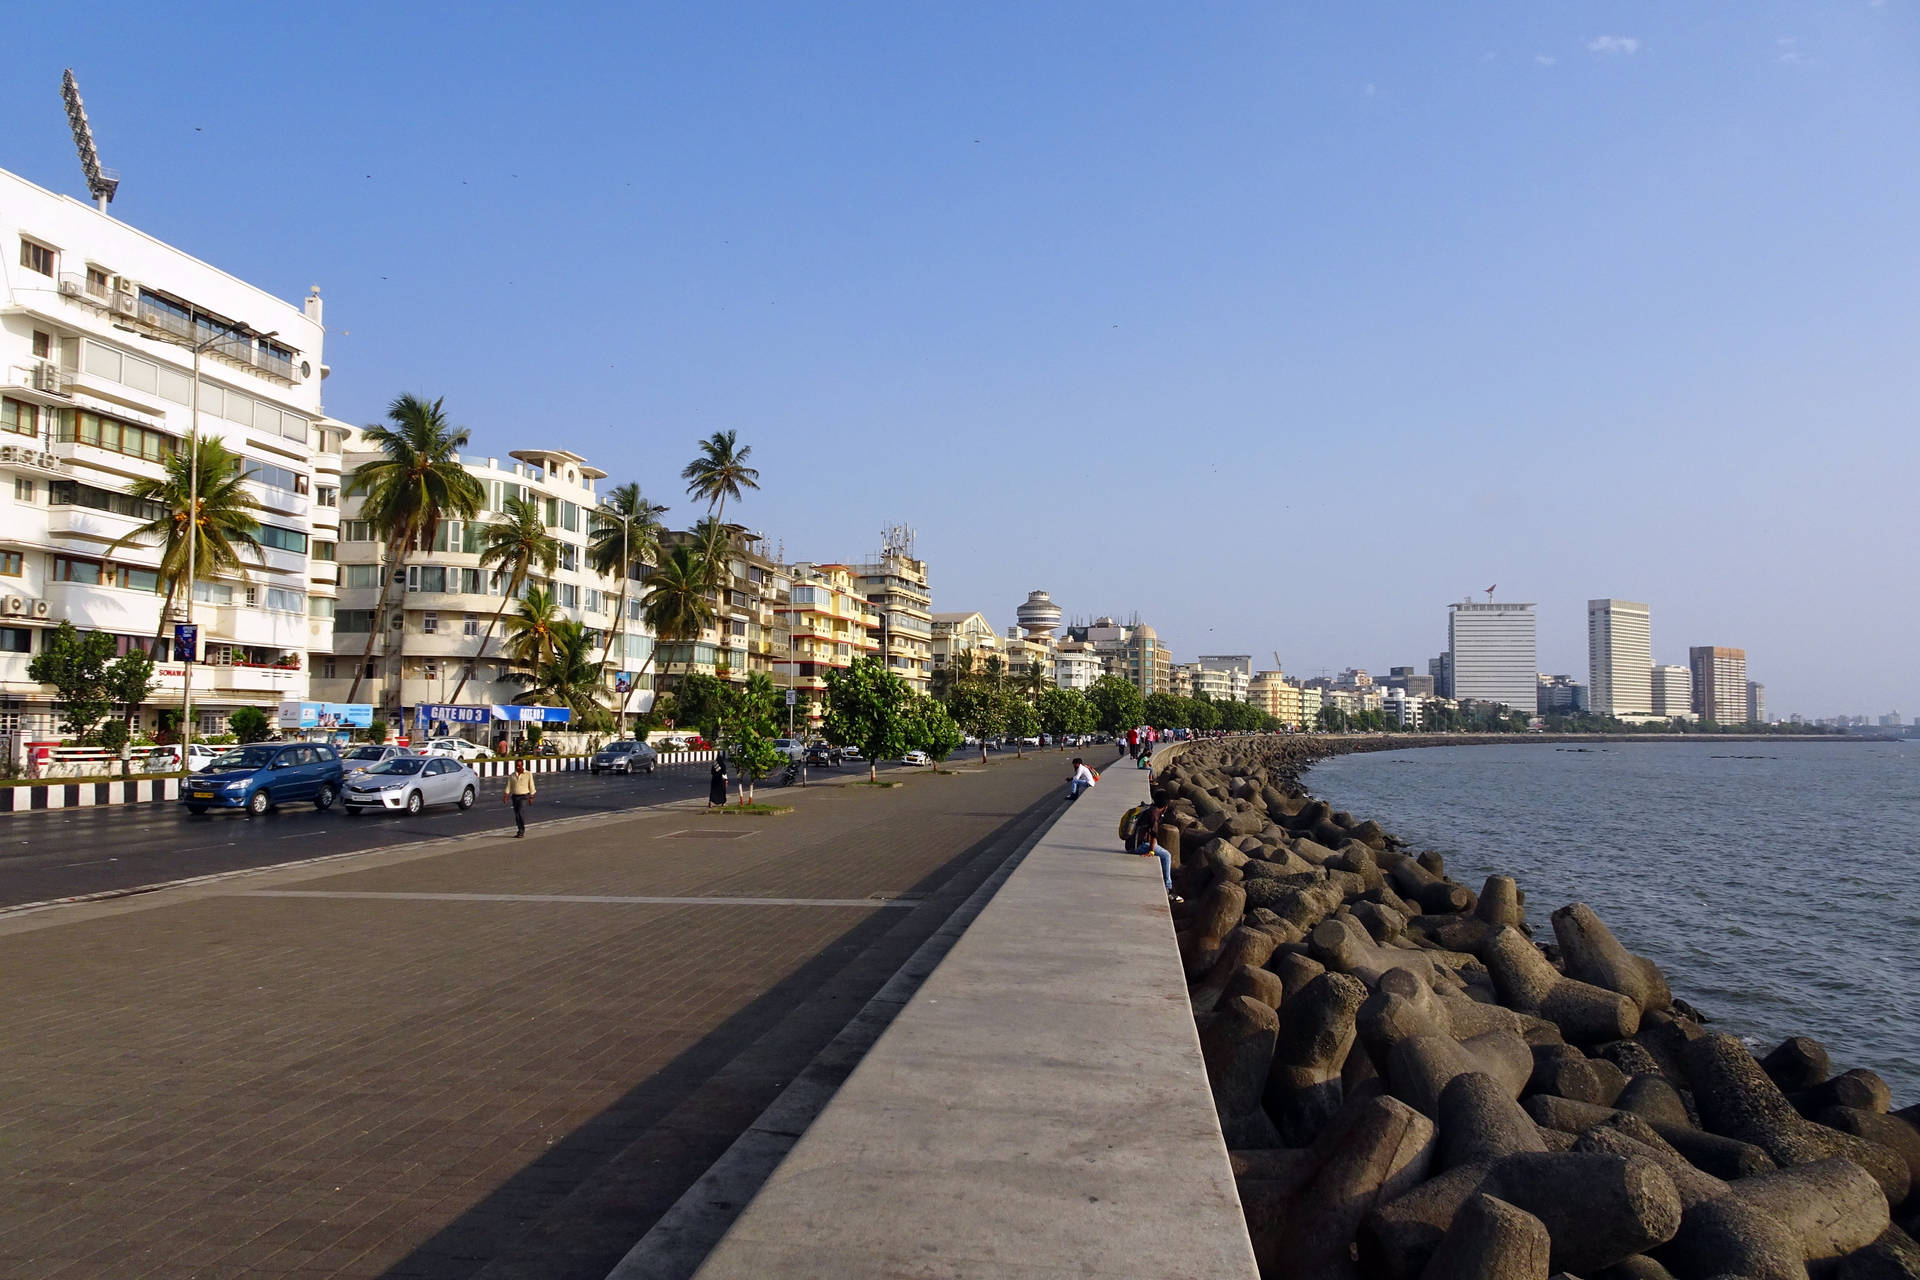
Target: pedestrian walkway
(486,1059)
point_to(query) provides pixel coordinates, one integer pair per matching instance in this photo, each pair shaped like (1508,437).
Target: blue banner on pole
(186,641)
(532,715)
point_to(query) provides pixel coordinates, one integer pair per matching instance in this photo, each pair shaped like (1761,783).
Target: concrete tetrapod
(1237,1046)
(1480,1122)
(1585,1014)
(1832,1206)
(1896,1135)
(1591,953)
(1383,1147)
(1315,1033)
(1737,1099)
(1492,1240)
(1721,1156)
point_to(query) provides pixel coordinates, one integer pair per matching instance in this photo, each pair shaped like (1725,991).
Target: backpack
(1126,824)
(1140,835)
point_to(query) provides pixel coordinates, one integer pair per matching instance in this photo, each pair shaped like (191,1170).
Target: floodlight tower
(101,183)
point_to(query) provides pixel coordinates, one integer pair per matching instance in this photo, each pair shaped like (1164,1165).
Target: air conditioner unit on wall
(41,609)
(122,284)
(126,304)
(14,606)
(47,377)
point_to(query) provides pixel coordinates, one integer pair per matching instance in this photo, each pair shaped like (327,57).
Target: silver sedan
(412,783)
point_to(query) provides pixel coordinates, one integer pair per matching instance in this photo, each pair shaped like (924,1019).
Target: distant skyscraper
(1619,658)
(1719,683)
(1672,692)
(1491,647)
(1757,703)
(1441,669)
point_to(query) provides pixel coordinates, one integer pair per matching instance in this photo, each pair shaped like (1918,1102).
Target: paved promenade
(479,1057)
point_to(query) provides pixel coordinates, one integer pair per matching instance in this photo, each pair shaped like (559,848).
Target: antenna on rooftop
(101,183)
(1490,593)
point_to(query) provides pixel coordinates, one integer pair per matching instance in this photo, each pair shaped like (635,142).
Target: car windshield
(244,758)
(406,764)
(365,753)
(618,748)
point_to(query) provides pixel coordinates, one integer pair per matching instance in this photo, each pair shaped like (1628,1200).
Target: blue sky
(1280,325)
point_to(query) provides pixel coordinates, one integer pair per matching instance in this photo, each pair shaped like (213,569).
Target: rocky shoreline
(1413,1088)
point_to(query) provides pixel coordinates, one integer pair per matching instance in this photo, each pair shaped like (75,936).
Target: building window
(36,257)
(356,531)
(569,596)
(22,490)
(19,417)
(353,620)
(273,477)
(72,569)
(212,593)
(471,626)
(12,564)
(326,668)
(272,535)
(426,577)
(16,640)
(69,493)
(42,345)
(319,606)
(102,432)
(327,496)
(429,623)
(325,550)
(360,575)
(284,601)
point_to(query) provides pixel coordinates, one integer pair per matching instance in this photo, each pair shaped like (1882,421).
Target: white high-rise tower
(1619,658)
(1492,650)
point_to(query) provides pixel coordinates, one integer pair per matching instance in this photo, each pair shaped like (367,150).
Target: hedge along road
(68,853)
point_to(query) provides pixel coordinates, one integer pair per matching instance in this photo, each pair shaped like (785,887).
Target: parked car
(363,757)
(849,752)
(822,756)
(166,759)
(263,774)
(457,748)
(412,783)
(916,757)
(672,742)
(624,757)
(792,748)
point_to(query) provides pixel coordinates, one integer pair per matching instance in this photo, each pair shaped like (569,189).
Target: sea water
(1776,883)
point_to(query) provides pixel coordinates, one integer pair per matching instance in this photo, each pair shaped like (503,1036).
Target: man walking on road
(520,792)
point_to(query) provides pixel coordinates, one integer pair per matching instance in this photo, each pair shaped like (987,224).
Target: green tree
(129,679)
(249,724)
(720,472)
(377,730)
(1117,704)
(1033,682)
(532,630)
(1021,719)
(405,495)
(226,522)
(1332,719)
(700,702)
(675,602)
(993,672)
(75,664)
(1062,712)
(1167,711)
(933,731)
(867,708)
(564,674)
(625,537)
(1202,714)
(511,546)
(979,711)
(747,729)
(753,756)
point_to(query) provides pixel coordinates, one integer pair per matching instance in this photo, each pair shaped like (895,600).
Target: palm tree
(1033,682)
(713,542)
(513,546)
(675,602)
(406,494)
(994,671)
(720,472)
(225,525)
(565,675)
(531,631)
(626,535)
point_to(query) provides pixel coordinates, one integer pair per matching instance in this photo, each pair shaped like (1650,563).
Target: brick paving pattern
(220,1082)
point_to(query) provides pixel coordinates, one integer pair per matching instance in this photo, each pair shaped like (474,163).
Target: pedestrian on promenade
(520,793)
(717,784)
(1133,743)
(1082,779)
(1146,840)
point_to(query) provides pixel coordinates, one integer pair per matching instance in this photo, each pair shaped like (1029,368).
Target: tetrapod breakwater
(1412,1086)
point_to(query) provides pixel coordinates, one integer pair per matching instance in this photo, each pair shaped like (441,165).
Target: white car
(411,783)
(167,759)
(365,756)
(791,748)
(916,757)
(456,748)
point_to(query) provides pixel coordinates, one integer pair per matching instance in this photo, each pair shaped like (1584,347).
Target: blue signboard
(532,715)
(449,714)
(186,641)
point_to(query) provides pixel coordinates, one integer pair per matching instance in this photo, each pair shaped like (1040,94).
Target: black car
(822,756)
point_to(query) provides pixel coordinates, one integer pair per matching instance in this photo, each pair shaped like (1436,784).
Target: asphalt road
(64,853)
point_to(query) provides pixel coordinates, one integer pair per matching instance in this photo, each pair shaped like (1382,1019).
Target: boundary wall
(1038,1108)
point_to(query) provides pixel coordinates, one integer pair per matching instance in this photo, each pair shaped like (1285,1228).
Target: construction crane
(101,183)
(1276,661)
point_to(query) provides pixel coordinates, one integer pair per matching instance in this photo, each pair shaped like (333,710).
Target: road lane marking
(595,898)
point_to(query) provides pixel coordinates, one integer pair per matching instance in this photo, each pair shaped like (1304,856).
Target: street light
(193,510)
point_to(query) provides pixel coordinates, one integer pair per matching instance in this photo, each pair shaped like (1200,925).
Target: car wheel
(650,769)
(196,809)
(324,798)
(466,798)
(415,803)
(259,802)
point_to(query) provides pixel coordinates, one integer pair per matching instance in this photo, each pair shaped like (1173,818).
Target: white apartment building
(1757,704)
(438,617)
(958,633)
(1237,668)
(97,389)
(1619,658)
(1492,656)
(895,584)
(1076,665)
(1672,692)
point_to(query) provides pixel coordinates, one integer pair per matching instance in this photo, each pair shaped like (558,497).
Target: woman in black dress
(717,785)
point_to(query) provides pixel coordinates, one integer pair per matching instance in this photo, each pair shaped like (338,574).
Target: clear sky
(1282,325)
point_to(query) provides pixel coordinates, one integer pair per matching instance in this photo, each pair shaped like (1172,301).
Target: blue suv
(264,774)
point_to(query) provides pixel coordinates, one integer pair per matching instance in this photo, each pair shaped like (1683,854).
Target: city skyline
(898,258)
